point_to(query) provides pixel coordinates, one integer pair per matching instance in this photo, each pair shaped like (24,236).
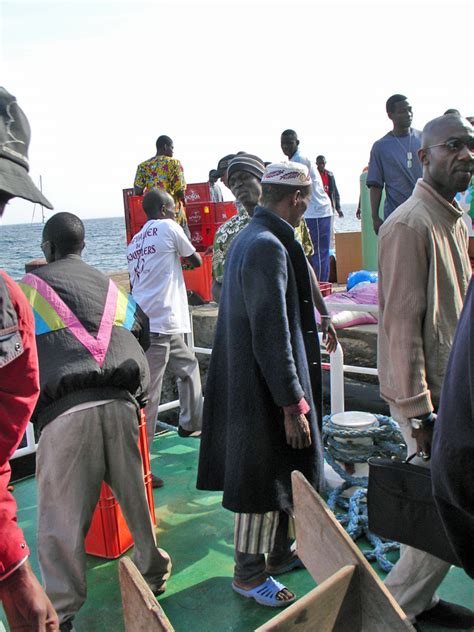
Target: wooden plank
(141,611)
(318,610)
(348,254)
(349,617)
(325,547)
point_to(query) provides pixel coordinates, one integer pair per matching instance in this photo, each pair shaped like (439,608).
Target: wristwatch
(423,422)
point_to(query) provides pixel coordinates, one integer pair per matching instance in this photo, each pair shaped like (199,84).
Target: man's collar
(409,133)
(424,190)
(279,225)
(70,256)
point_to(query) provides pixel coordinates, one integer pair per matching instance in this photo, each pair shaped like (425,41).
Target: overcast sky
(100,81)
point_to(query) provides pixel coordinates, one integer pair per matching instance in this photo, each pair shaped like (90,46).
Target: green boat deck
(198,534)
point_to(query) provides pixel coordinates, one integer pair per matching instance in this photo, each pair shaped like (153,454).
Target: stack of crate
(205,217)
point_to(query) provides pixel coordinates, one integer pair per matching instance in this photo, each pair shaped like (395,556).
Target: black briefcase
(401,507)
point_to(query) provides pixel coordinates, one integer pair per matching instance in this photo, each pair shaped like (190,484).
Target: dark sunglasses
(455,144)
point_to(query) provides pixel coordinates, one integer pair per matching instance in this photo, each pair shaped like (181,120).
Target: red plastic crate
(202,235)
(210,212)
(224,211)
(127,194)
(199,280)
(200,213)
(197,192)
(325,287)
(109,535)
(135,216)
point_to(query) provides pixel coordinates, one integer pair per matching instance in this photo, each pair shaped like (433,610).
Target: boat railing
(336,366)
(31,444)
(371,309)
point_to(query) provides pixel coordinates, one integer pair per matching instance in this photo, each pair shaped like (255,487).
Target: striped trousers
(256,535)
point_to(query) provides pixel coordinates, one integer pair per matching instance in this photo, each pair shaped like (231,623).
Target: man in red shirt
(329,184)
(25,603)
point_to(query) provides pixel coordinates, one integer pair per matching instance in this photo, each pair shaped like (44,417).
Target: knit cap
(246,162)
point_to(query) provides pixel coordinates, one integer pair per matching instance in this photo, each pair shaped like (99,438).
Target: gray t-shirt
(388,166)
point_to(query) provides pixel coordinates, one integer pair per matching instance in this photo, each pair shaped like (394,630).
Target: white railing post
(336,376)
(190,336)
(30,447)
(336,360)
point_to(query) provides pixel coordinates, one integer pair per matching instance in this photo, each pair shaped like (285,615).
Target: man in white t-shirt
(319,212)
(157,283)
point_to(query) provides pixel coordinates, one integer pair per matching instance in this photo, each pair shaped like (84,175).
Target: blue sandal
(266,594)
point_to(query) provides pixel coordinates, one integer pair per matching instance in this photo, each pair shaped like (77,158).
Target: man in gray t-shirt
(394,161)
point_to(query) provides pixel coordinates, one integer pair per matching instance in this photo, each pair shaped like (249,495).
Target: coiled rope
(386,441)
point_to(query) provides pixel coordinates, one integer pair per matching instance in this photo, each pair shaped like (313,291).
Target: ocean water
(105,245)
(349,223)
(105,242)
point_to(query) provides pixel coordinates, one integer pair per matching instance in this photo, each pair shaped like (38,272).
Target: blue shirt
(320,204)
(388,167)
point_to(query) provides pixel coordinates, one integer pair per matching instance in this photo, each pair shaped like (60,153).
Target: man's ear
(51,254)
(423,156)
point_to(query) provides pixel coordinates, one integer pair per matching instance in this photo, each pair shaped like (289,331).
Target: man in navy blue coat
(262,408)
(452,455)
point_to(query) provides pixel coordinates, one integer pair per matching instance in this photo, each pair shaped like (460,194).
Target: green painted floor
(198,534)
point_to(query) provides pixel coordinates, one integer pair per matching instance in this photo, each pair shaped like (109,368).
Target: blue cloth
(452,454)
(320,204)
(320,231)
(265,356)
(388,167)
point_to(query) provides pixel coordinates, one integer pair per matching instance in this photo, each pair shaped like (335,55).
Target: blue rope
(387,441)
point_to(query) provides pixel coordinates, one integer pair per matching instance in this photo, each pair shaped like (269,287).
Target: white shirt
(320,204)
(156,276)
(216,193)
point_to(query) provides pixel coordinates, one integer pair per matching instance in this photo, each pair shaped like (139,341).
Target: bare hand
(424,439)
(358,213)
(329,335)
(340,213)
(297,430)
(377,221)
(26,604)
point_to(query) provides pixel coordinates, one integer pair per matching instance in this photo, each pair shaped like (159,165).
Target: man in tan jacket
(424,272)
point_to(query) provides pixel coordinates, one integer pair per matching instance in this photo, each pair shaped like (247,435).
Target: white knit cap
(291,173)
